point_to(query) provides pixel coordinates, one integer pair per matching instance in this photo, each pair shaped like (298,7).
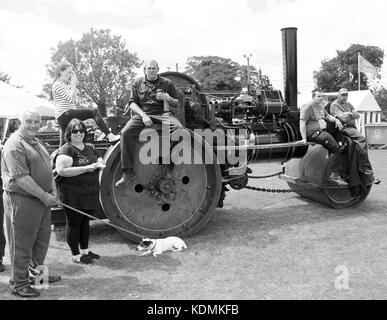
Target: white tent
(363,101)
(14,100)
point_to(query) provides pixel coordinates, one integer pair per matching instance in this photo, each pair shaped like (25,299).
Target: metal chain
(268,190)
(268,176)
(265,189)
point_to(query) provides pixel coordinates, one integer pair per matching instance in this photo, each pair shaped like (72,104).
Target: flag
(365,66)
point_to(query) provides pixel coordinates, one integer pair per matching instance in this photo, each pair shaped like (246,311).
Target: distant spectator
(49,127)
(98,134)
(2,237)
(13,125)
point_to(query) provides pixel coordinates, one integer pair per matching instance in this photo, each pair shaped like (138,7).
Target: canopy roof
(14,100)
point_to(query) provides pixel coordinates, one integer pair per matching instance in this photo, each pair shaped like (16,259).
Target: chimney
(289,49)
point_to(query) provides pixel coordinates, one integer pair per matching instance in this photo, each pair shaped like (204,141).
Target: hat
(343,91)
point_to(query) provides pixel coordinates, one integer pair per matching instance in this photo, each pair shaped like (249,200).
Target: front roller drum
(309,177)
(163,199)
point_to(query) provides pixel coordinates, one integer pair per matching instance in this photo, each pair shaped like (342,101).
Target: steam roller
(168,198)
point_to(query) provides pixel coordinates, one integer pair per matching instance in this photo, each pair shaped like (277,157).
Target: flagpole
(358,69)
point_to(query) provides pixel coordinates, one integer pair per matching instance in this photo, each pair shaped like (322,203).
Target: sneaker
(101,137)
(85,259)
(342,147)
(113,137)
(370,178)
(127,175)
(336,179)
(51,279)
(93,255)
(27,292)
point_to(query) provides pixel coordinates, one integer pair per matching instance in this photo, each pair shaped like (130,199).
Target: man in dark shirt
(316,125)
(151,97)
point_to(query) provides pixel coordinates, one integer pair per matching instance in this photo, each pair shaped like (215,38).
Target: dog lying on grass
(158,246)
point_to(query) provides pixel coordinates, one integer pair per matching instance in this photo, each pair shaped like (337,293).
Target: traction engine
(168,198)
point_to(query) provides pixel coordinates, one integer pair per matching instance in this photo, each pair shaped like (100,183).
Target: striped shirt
(63,99)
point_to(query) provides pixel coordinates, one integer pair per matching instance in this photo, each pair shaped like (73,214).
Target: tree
(104,68)
(4,77)
(243,75)
(213,72)
(381,98)
(342,70)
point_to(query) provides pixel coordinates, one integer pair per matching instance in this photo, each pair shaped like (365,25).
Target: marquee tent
(14,100)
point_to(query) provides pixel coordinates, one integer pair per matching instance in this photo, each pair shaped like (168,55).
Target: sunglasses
(74,131)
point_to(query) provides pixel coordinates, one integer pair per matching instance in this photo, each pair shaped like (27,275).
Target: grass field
(259,246)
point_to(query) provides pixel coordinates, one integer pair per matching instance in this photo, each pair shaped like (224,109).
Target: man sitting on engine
(346,113)
(148,96)
(316,125)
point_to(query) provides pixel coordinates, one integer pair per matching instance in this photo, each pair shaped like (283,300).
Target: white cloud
(26,40)
(173,30)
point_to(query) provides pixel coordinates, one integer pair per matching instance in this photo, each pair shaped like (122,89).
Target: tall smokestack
(289,49)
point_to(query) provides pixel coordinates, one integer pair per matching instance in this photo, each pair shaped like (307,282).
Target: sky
(173,30)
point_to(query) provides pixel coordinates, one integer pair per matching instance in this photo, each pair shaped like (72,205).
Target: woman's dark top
(81,191)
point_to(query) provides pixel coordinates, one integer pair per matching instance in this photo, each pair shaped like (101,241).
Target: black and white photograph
(191,156)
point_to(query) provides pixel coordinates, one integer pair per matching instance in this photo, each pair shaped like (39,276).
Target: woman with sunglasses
(77,164)
(64,94)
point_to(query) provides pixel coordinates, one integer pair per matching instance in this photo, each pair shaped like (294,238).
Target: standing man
(346,113)
(316,125)
(148,95)
(29,192)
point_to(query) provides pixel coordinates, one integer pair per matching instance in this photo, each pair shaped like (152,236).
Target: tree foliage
(342,70)
(381,98)
(214,73)
(103,65)
(4,77)
(243,75)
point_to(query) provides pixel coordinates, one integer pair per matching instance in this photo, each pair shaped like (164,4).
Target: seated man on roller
(346,113)
(150,98)
(316,125)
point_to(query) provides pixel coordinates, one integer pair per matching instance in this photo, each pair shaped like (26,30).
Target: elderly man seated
(346,113)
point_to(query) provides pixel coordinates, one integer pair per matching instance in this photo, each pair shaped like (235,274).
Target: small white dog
(158,246)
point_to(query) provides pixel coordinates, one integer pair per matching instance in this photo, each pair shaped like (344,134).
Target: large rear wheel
(163,199)
(309,177)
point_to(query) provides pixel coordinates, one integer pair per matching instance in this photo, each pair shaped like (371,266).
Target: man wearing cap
(346,113)
(316,125)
